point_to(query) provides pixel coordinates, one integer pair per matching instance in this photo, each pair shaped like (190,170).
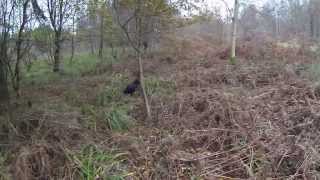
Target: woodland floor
(257,119)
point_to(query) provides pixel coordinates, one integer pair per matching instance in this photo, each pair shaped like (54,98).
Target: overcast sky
(231,2)
(222,6)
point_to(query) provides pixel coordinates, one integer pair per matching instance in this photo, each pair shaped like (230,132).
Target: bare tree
(59,12)
(249,20)
(73,33)
(6,14)
(136,27)
(19,54)
(314,12)
(136,44)
(234,32)
(92,18)
(21,48)
(4,92)
(102,16)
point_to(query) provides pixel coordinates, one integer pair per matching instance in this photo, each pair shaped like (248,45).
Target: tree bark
(145,96)
(101,35)
(277,27)
(101,40)
(57,15)
(234,32)
(311,25)
(57,42)
(92,46)
(72,48)
(4,91)
(72,39)
(139,29)
(17,76)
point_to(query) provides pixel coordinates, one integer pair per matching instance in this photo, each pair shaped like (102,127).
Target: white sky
(231,2)
(210,4)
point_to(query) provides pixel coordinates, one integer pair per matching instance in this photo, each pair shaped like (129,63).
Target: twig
(213,129)
(282,158)
(249,169)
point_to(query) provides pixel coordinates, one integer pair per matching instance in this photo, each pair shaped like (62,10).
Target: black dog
(145,45)
(131,88)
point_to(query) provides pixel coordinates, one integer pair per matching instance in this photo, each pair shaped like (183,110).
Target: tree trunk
(234,32)
(92,46)
(72,49)
(311,25)
(145,97)
(278,27)
(317,29)
(139,28)
(57,42)
(17,75)
(101,35)
(72,39)
(4,92)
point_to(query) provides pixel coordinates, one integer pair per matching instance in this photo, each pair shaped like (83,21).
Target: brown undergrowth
(257,119)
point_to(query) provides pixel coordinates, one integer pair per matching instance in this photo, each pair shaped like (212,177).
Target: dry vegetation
(258,119)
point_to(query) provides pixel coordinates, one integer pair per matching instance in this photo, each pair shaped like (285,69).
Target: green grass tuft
(4,174)
(112,93)
(157,87)
(92,116)
(115,118)
(314,71)
(118,119)
(93,163)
